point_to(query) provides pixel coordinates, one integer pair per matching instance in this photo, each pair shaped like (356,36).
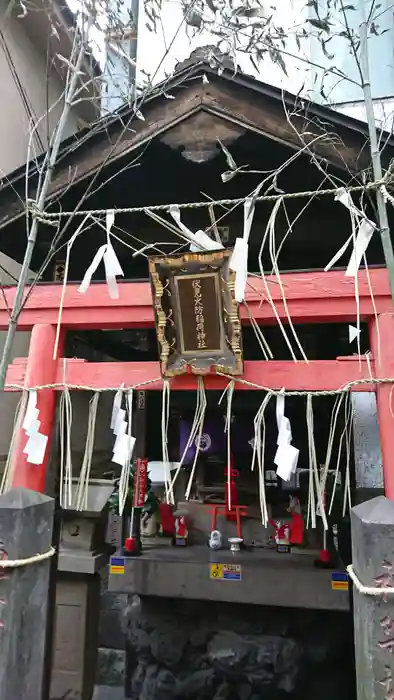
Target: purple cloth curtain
(213,439)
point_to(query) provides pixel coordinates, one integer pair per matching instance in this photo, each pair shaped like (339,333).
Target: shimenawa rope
(46,217)
(367,590)
(35,559)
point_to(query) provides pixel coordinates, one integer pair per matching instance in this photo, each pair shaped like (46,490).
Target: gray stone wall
(181,649)
(111,661)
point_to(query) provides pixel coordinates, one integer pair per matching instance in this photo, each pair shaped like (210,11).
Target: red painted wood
(301,376)
(384,362)
(39,369)
(315,297)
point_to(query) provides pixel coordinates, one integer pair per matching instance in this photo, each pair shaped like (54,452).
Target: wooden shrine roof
(199,111)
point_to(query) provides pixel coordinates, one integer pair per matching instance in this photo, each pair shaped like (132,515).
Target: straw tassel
(81,491)
(65,420)
(259,452)
(124,481)
(199,425)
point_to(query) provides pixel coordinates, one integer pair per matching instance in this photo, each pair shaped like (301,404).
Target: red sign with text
(140,482)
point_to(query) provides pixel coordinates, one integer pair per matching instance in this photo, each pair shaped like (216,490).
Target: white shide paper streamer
(239,258)
(286,457)
(37,442)
(200,241)
(362,230)
(112,266)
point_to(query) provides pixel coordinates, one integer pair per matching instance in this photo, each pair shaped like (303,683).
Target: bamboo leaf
(322,24)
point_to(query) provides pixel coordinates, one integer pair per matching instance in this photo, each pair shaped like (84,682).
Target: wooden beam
(318,375)
(312,297)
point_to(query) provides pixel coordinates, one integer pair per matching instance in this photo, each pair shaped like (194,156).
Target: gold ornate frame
(164,272)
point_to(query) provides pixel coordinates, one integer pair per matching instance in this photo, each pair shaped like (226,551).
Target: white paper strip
(353,333)
(87,278)
(204,242)
(286,459)
(112,266)
(239,258)
(115,407)
(30,417)
(112,270)
(284,434)
(360,238)
(109,220)
(338,254)
(280,409)
(120,422)
(121,431)
(34,427)
(31,410)
(35,448)
(239,265)
(199,240)
(363,238)
(124,451)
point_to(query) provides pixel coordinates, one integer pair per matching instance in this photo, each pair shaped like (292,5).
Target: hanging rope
(331,435)
(315,496)
(64,285)
(266,236)
(199,425)
(31,205)
(65,421)
(124,481)
(259,451)
(348,438)
(229,393)
(165,417)
(81,491)
(275,268)
(193,432)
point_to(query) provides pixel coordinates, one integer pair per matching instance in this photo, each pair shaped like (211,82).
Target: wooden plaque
(197,318)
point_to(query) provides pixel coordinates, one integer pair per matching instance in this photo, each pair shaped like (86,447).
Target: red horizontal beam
(311,297)
(318,375)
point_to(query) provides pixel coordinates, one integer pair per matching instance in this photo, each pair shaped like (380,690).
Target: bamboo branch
(53,151)
(375,155)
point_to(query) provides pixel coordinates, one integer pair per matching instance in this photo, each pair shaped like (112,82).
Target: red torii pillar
(382,329)
(41,370)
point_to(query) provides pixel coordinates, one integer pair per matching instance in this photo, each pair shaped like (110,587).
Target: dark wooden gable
(190,113)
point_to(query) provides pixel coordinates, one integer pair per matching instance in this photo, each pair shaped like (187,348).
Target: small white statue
(215,540)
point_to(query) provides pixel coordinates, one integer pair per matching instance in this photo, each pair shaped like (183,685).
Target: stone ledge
(268,578)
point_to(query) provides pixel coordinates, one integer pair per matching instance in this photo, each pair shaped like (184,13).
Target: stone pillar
(368,463)
(26,521)
(373,563)
(41,370)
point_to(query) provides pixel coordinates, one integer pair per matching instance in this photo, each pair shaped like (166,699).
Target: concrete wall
(26,95)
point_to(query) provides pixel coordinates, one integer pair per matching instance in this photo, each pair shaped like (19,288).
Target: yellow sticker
(216,570)
(226,572)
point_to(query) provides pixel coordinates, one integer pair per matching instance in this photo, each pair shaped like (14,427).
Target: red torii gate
(312,297)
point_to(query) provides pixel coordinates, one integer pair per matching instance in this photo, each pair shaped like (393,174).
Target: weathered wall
(25,93)
(190,649)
